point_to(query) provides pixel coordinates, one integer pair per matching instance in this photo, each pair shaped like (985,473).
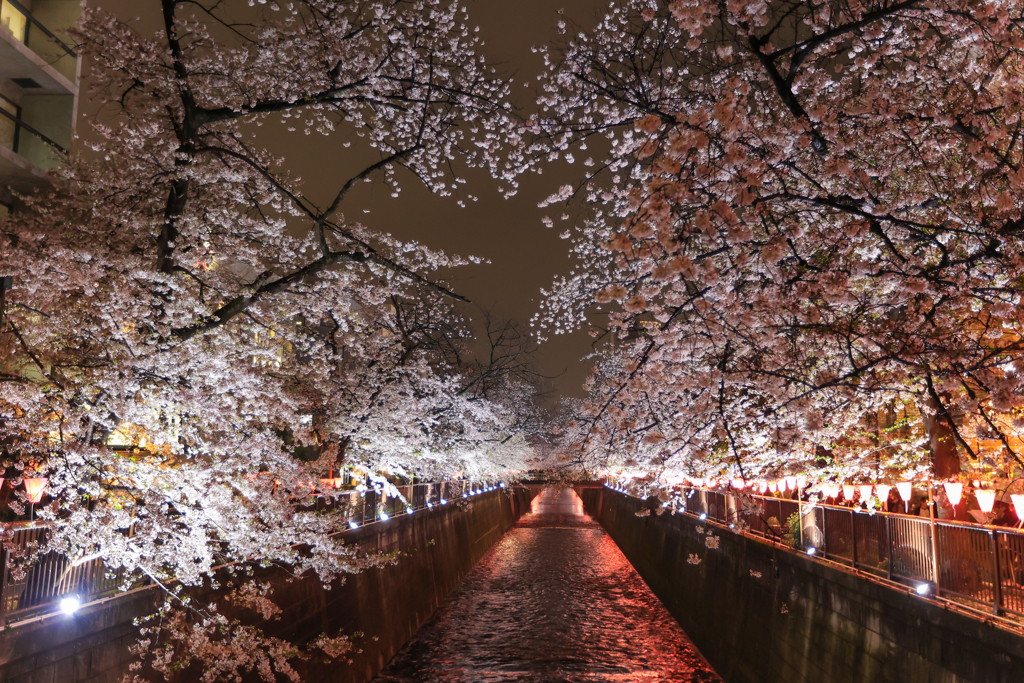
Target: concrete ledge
(761,614)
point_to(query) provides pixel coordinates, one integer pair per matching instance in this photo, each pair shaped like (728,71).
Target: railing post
(997,581)
(5,556)
(888,548)
(853,535)
(823,529)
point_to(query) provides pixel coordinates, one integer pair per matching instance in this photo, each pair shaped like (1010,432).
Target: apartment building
(39,72)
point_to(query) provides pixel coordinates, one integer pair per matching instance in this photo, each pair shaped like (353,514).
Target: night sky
(525,256)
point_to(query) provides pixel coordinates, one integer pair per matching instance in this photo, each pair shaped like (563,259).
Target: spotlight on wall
(923,588)
(812,550)
(408,510)
(353,525)
(70,604)
(444,501)
(703,516)
(384,516)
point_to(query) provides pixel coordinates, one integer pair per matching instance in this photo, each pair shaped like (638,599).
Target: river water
(553,601)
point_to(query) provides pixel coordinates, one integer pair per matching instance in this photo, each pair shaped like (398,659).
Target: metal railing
(977,563)
(54,576)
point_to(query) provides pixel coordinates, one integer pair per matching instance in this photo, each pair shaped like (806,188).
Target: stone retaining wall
(764,614)
(436,550)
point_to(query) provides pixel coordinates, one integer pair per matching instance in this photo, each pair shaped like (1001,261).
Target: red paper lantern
(986,499)
(953,492)
(34,489)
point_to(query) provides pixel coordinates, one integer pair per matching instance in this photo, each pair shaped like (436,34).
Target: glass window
(13,20)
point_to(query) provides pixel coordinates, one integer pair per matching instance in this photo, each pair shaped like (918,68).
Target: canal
(554,600)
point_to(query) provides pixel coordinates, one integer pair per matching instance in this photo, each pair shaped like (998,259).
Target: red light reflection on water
(554,599)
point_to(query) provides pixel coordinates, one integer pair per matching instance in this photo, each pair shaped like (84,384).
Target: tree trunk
(941,442)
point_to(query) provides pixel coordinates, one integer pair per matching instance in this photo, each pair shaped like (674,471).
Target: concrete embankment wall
(387,604)
(763,614)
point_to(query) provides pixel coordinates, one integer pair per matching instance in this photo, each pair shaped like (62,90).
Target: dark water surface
(553,600)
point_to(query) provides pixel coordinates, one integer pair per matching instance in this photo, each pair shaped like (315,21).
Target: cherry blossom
(805,233)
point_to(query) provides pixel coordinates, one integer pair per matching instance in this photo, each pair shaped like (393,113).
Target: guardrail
(54,576)
(978,563)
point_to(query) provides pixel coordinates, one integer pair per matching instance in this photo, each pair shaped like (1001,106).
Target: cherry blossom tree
(804,214)
(179,285)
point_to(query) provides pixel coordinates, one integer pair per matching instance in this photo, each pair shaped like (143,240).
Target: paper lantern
(1018,504)
(847,491)
(986,499)
(953,492)
(801,480)
(883,491)
(905,489)
(773,487)
(34,489)
(791,483)
(762,487)
(738,484)
(332,482)
(865,491)
(831,490)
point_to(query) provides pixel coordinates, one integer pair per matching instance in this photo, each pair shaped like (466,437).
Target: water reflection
(554,600)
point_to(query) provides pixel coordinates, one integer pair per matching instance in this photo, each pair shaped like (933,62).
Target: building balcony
(38,89)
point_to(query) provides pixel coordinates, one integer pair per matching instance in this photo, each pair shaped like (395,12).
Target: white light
(464,495)
(502,484)
(703,516)
(478,491)
(408,510)
(430,505)
(69,605)
(353,525)
(732,526)
(923,588)
(384,516)
(812,550)
(444,501)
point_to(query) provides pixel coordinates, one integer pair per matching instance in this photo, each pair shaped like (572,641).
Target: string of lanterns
(954,490)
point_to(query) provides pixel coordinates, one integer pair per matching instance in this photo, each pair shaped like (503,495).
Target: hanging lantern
(831,491)
(883,491)
(773,487)
(762,487)
(697,482)
(865,491)
(848,492)
(906,489)
(801,481)
(34,489)
(738,484)
(791,483)
(953,491)
(986,499)
(1018,504)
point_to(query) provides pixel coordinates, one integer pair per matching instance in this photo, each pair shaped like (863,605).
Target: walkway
(553,601)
